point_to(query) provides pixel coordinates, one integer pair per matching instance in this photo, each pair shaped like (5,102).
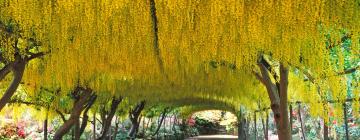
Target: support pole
(345,121)
(291,116)
(94,126)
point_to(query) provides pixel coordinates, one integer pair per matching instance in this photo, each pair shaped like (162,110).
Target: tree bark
(134,118)
(45,128)
(82,96)
(255,127)
(241,126)
(5,71)
(157,50)
(94,126)
(117,122)
(301,122)
(163,115)
(284,125)
(17,66)
(85,114)
(278,97)
(77,129)
(107,120)
(18,70)
(265,126)
(326,131)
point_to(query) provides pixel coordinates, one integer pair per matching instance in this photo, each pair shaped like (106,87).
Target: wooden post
(291,116)
(255,130)
(345,121)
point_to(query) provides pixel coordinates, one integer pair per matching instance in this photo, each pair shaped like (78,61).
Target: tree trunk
(247,128)
(284,125)
(265,126)
(45,128)
(241,128)
(5,71)
(82,97)
(85,116)
(326,131)
(301,122)
(18,70)
(107,120)
(134,118)
(117,122)
(133,130)
(163,115)
(278,96)
(77,129)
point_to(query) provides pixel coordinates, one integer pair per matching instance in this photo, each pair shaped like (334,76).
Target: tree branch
(259,77)
(61,115)
(350,70)
(156,36)
(271,88)
(85,114)
(36,55)
(107,121)
(5,70)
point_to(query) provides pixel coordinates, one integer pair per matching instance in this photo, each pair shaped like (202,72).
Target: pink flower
(191,122)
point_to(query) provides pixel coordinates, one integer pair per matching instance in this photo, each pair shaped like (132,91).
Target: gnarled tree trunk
(17,65)
(163,115)
(278,95)
(241,126)
(108,118)
(82,98)
(134,118)
(18,70)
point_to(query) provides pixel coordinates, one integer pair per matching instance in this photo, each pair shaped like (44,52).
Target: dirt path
(213,137)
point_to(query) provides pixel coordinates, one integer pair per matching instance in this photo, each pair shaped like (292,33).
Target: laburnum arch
(168,49)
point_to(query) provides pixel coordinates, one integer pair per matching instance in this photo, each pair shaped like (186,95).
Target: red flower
(334,121)
(21,133)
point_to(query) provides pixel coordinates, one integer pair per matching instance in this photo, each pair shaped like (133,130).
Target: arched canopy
(189,49)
